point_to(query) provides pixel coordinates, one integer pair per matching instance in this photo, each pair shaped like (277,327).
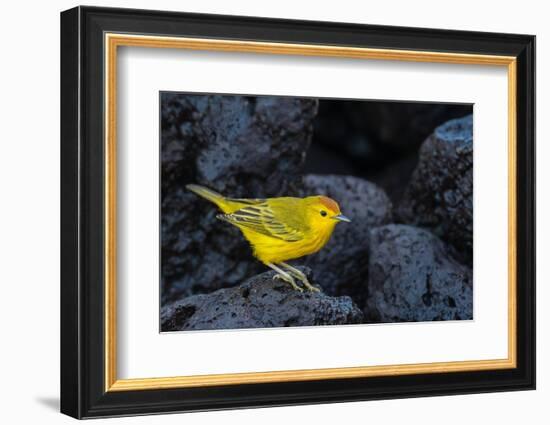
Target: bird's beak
(341,217)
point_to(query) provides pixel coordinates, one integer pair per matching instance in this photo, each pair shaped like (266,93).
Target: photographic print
(288,211)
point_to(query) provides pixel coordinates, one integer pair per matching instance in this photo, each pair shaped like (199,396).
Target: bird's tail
(209,194)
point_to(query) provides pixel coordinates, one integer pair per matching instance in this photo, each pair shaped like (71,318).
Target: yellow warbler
(280,229)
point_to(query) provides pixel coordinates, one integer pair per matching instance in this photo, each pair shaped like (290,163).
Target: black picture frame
(83,392)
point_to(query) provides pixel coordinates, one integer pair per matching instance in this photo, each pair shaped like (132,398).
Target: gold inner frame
(113,41)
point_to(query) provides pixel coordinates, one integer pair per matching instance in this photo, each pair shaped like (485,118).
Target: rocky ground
(259,302)
(439,195)
(403,258)
(412,277)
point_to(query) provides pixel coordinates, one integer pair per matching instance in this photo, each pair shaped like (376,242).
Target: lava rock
(240,146)
(260,302)
(413,278)
(341,267)
(395,177)
(439,195)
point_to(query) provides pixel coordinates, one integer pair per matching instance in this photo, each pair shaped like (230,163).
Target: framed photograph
(261,212)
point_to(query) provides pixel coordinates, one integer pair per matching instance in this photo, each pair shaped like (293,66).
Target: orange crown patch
(330,204)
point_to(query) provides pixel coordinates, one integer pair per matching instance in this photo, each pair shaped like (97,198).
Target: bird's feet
(287,278)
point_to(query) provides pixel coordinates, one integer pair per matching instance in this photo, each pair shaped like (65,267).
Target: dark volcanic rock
(396,176)
(239,146)
(412,278)
(341,267)
(260,302)
(439,195)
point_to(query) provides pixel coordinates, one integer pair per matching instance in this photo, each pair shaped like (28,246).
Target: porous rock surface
(341,267)
(260,302)
(239,146)
(439,195)
(413,278)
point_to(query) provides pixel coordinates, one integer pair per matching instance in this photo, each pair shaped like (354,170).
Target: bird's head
(324,212)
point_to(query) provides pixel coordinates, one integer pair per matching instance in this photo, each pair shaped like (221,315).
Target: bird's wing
(264,219)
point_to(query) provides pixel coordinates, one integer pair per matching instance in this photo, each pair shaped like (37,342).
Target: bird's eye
(324,213)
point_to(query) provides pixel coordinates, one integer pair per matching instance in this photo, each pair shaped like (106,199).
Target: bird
(280,229)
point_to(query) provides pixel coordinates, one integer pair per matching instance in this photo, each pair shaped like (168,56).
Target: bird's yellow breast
(272,250)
